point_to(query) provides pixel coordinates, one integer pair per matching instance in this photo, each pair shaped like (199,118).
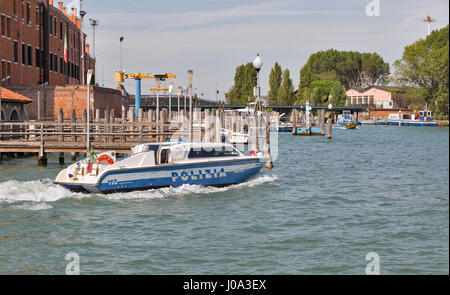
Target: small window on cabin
(211,154)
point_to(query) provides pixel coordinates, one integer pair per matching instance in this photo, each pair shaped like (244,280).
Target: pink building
(376,96)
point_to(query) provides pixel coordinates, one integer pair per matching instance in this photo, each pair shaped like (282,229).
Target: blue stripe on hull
(177,175)
(433,124)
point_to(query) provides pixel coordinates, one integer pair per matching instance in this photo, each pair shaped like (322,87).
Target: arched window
(14,115)
(3,115)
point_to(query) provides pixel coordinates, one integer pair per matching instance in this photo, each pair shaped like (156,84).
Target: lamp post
(257,64)
(94,23)
(73,92)
(82,49)
(121,50)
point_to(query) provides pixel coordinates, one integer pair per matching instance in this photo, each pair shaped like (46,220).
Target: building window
(16,51)
(51,62)
(3,69)
(37,18)
(30,56)
(371,100)
(23,11)
(61,65)
(55,26)
(3,25)
(8,26)
(56,63)
(50,24)
(8,70)
(68,68)
(24,55)
(38,58)
(60,30)
(29,13)
(359,100)
(15,8)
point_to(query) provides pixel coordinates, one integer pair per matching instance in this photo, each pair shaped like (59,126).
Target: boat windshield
(193,153)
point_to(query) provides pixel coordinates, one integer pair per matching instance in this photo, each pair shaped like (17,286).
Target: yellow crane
(121,76)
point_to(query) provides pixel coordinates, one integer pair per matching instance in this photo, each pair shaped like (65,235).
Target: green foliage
(286,91)
(274,83)
(349,68)
(323,92)
(244,81)
(425,65)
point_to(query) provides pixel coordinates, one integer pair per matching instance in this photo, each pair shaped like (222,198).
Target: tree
(236,91)
(274,83)
(286,92)
(425,65)
(349,68)
(323,92)
(250,77)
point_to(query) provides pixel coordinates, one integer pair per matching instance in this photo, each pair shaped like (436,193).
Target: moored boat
(154,165)
(422,118)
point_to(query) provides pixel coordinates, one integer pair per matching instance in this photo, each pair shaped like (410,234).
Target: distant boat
(422,118)
(346,118)
(351,126)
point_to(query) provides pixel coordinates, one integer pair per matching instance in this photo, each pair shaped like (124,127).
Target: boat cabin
(173,152)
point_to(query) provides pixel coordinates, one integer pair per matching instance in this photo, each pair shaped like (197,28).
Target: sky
(213,37)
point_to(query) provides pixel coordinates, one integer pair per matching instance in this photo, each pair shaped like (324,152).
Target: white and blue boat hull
(219,173)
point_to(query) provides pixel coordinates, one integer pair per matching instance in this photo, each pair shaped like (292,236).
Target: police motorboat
(155,165)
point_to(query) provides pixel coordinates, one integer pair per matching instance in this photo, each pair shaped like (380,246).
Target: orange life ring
(105,157)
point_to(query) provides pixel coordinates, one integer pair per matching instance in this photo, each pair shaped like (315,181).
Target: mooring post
(60,125)
(294,121)
(73,127)
(42,156)
(322,121)
(329,126)
(218,126)
(269,163)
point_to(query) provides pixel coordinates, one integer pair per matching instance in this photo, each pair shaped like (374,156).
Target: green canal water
(323,207)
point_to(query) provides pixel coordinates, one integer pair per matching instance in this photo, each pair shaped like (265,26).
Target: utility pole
(121,50)
(83,49)
(94,23)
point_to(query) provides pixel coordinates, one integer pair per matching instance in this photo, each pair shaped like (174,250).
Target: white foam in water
(43,190)
(33,206)
(187,189)
(36,194)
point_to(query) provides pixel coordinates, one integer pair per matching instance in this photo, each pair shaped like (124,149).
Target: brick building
(32,35)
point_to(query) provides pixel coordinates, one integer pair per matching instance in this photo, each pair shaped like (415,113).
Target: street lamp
(257,64)
(83,49)
(73,92)
(121,59)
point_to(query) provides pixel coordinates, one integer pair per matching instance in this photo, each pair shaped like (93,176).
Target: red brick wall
(55,97)
(31,34)
(384,113)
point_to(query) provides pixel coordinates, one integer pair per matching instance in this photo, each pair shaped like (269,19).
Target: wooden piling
(329,126)
(207,126)
(322,121)
(294,122)
(269,163)
(60,126)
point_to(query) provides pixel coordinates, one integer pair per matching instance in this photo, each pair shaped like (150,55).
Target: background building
(377,96)
(32,36)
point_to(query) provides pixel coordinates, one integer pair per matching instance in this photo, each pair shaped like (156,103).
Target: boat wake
(36,195)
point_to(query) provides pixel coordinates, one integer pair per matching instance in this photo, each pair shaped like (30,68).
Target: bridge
(149,102)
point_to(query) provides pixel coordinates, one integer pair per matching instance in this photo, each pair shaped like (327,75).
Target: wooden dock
(110,133)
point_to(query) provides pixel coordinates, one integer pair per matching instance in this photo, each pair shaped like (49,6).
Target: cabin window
(211,154)
(164,159)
